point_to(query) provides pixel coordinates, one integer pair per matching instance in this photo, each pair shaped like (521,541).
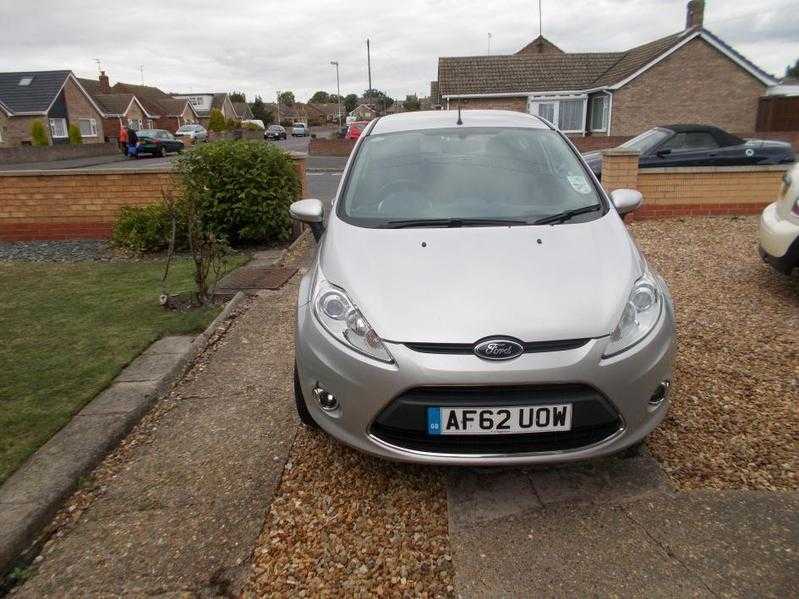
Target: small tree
(217,121)
(74,135)
(286,98)
(320,97)
(260,111)
(237,97)
(39,134)
(412,103)
(793,71)
(231,124)
(350,102)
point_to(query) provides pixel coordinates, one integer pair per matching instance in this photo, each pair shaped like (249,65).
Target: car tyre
(299,401)
(161,152)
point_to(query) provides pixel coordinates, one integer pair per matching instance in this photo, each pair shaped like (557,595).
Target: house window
(195,100)
(567,114)
(134,124)
(599,113)
(88,127)
(58,128)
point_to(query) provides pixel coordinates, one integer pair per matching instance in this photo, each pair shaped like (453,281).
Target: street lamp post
(338,91)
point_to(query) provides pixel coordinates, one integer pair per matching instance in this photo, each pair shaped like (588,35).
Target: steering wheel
(413,189)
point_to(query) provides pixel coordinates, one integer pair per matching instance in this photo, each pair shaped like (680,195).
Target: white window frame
(53,131)
(136,124)
(606,100)
(1,133)
(92,127)
(534,101)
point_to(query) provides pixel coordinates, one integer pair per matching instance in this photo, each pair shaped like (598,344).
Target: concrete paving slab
(476,497)
(567,551)
(740,543)
(176,344)
(613,480)
(123,398)
(148,367)
(17,521)
(51,473)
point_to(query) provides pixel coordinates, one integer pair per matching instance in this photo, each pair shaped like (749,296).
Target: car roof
(722,137)
(438,119)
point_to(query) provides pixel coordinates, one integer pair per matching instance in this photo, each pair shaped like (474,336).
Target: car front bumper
(365,387)
(779,240)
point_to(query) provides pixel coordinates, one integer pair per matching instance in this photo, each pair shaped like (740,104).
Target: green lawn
(66,330)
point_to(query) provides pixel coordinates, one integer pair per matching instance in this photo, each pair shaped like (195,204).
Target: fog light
(660,393)
(327,401)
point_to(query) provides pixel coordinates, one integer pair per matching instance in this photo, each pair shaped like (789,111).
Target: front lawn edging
(31,496)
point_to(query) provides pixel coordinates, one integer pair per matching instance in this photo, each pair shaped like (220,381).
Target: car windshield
(647,140)
(187,128)
(482,174)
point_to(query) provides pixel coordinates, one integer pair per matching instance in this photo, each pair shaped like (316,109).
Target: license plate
(499,420)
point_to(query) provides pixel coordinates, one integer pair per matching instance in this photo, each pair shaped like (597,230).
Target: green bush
(145,228)
(231,124)
(74,135)
(242,188)
(217,121)
(38,134)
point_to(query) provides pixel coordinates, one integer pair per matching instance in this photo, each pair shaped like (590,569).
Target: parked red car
(355,129)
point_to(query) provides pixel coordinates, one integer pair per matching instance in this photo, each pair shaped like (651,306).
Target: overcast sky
(260,46)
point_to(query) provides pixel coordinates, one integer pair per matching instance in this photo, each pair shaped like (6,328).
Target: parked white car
(779,226)
(300,130)
(193,132)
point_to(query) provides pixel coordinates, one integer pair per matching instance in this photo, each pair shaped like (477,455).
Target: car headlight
(640,315)
(342,319)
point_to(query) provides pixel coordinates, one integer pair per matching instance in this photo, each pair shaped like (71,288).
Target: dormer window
(25,81)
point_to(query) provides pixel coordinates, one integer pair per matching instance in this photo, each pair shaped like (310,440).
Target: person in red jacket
(123,139)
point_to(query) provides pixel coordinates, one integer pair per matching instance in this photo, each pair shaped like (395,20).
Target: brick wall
(695,84)
(79,107)
(82,204)
(23,154)
(692,191)
(330,147)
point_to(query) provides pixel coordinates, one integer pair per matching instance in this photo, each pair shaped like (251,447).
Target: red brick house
(55,98)
(136,106)
(691,76)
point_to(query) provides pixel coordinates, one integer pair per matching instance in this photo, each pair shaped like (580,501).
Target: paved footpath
(184,512)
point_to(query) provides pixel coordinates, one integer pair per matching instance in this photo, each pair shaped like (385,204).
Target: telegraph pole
(338,92)
(369,63)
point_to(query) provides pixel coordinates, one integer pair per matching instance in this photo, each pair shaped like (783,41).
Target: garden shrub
(145,228)
(38,134)
(231,124)
(216,122)
(74,135)
(243,189)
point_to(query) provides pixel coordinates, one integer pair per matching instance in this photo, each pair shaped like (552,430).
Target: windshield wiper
(567,214)
(451,222)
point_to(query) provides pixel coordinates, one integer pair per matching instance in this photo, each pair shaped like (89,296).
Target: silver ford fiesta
(476,299)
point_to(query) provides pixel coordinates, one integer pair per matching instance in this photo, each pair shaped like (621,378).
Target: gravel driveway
(734,421)
(347,524)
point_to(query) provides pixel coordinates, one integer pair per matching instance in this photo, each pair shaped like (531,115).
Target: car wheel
(179,150)
(302,408)
(161,152)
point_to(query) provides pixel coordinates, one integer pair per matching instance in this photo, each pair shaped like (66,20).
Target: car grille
(403,422)
(468,348)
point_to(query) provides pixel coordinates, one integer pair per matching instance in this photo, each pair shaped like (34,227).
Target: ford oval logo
(498,348)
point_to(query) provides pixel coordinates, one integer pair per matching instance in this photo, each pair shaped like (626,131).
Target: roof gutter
(570,92)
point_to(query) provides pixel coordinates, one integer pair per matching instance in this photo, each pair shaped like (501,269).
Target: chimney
(695,14)
(105,87)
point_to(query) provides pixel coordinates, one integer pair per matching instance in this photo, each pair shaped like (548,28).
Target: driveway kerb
(35,492)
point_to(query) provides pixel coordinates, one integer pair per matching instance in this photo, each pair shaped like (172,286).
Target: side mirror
(309,211)
(626,200)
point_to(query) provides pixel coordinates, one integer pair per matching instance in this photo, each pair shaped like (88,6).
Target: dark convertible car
(699,145)
(157,142)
